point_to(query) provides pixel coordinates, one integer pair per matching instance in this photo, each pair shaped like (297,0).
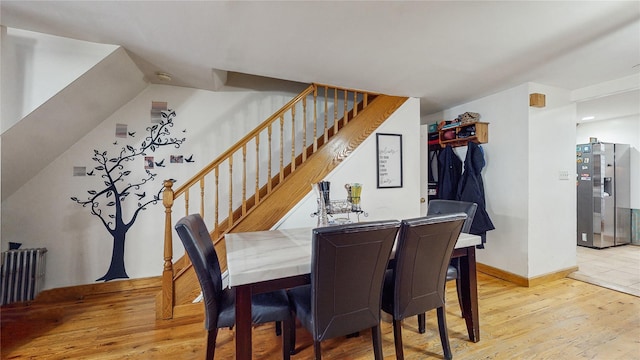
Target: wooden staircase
(332,141)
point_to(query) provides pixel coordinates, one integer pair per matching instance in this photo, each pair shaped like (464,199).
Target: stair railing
(283,141)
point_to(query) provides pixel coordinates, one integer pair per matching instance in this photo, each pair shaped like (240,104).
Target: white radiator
(22,274)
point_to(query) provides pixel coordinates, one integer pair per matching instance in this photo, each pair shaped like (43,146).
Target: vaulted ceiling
(444,52)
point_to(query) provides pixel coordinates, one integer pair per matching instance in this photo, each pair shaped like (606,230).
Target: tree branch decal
(106,203)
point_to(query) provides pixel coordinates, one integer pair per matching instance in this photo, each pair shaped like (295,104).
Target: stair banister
(171,270)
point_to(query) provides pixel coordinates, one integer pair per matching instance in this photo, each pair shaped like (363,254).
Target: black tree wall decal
(107,202)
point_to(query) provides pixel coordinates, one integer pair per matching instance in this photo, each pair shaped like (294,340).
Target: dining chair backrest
(423,251)
(197,243)
(440,206)
(348,264)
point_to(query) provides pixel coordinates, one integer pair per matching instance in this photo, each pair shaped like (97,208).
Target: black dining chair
(219,303)
(416,283)
(348,264)
(440,206)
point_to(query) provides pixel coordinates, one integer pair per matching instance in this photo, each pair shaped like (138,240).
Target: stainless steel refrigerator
(603,185)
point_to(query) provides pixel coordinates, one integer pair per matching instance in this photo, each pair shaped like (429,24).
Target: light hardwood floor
(564,319)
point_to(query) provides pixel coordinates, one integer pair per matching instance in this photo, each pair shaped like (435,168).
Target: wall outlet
(563,175)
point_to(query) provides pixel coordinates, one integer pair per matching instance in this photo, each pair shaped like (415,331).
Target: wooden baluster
(186,202)
(355,103)
(293,139)
(346,108)
(326,114)
(365,100)
(257,190)
(315,119)
(335,111)
(230,217)
(281,149)
(202,197)
(269,164)
(244,179)
(304,129)
(216,216)
(167,271)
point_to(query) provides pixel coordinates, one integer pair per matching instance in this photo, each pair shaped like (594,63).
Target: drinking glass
(356,189)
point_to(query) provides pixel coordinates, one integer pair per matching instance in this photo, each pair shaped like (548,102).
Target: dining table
(263,261)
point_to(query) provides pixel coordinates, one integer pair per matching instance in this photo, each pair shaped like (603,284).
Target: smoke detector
(163,76)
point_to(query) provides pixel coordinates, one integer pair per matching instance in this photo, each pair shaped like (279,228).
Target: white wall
(30,57)
(505,176)
(360,167)
(41,214)
(621,130)
(552,195)
(533,211)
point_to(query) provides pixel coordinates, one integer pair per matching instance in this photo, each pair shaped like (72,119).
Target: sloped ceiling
(444,52)
(31,144)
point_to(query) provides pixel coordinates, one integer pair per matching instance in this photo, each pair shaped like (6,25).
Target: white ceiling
(444,52)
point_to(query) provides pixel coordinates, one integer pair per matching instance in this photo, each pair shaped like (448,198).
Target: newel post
(167,272)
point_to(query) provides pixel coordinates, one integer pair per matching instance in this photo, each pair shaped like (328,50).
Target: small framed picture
(121,130)
(389,160)
(148,162)
(157,107)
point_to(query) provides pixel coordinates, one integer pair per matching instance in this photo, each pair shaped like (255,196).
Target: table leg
(243,322)
(469,284)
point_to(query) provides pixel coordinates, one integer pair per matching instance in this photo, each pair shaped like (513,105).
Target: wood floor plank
(563,319)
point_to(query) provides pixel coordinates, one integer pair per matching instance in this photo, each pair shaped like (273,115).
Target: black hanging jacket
(471,189)
(449,172)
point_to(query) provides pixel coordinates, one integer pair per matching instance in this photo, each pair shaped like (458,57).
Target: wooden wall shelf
(477,132)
